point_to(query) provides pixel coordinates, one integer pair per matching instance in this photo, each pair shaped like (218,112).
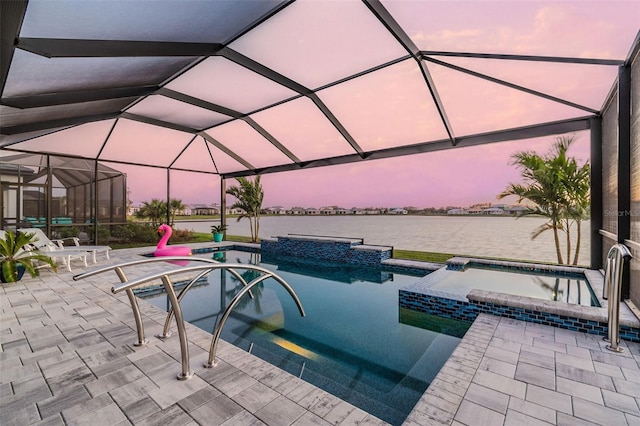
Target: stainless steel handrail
(613,286)
(167,322)
(633,244)
(164,276)
(186,372)
(118,268)
(218,330)
(607,234)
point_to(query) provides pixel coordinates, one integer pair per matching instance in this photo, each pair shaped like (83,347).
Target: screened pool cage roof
(69,172)
(247,87)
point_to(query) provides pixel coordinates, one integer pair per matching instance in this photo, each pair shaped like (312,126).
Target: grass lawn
(423,256)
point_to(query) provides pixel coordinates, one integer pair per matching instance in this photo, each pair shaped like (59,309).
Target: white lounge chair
(56,252)
(57,244)
(92,249)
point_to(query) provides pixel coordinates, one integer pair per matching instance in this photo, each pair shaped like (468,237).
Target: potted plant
(15,258)
(218,232)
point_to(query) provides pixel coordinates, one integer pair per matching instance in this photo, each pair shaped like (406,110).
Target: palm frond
(15,250)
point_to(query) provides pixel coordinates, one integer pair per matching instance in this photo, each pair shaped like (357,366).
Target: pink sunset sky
(457,177)
(391,107)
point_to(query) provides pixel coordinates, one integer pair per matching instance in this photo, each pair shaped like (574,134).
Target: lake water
(506,237)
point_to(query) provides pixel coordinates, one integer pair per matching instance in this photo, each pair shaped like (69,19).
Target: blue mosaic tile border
(460,263)
(225,248)
(434,305)
(468,311)
(407,270)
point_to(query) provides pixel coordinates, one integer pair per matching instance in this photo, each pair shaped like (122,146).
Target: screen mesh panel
(610,168)
(634,292)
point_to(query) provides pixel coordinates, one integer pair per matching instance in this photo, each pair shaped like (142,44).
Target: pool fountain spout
(613,288)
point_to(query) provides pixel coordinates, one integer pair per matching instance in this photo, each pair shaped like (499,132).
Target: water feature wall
(333,249)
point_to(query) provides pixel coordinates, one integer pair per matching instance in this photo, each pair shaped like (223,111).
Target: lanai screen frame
(13,13)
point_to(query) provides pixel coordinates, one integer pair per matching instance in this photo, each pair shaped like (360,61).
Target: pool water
(354,342)
(573,289)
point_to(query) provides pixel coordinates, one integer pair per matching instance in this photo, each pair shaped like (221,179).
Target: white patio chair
(65,255)
(55,252)
(44,243)
(92,249)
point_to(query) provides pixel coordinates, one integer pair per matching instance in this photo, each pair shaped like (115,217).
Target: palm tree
(154,210)
(559,188)
(13,255)
(174,207)
(543,192)
(576,186)
(578,182)
(249,196)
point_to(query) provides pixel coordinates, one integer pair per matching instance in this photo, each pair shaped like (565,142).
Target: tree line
(248,193)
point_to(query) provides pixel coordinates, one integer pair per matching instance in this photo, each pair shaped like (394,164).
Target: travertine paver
(545,360)
(532,410)
(281,411)
(621,402)
(475,414)
(67,358)
(486,397)
(580,390)
(561,377)
(597,413)
(540,376)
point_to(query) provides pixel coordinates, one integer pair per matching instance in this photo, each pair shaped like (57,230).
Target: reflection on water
(567,290)
(233,285)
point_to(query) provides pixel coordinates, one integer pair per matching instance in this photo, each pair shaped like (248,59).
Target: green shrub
(181,236)
(136,232)
(66,232)
(103,233)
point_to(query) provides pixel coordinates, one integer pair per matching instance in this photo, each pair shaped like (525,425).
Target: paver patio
(67,358)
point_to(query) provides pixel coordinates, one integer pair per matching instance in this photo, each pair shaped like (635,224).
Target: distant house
(235,211)
(371,211)
(204,209)
(501,206)
(397,211)
(327,211)
(516,209)
(297,211)
(493,211)
(340,210)
(133,209)
(276,210)
(356,210)
(457,211)
(186,211)
(475,210)
(312,210)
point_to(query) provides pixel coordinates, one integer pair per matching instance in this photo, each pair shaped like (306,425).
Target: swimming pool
(572,288)
(355,341)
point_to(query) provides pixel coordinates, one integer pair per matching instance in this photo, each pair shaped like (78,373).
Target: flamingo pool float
(163,250)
